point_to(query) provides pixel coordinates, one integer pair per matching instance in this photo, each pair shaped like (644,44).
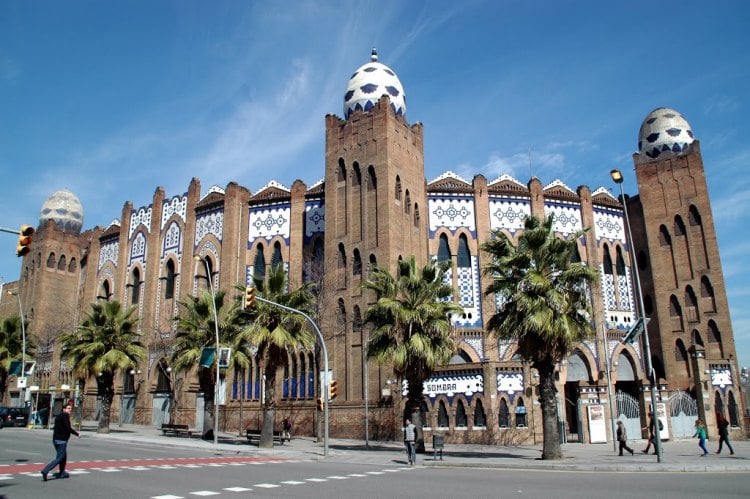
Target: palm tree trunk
(547,398)
(269,409)
(414,410)
(107,395)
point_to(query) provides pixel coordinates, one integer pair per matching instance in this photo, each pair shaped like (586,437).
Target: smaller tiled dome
(65,209)
(664,131)
(369,83)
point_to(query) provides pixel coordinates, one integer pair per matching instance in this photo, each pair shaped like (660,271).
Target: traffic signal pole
(325,363)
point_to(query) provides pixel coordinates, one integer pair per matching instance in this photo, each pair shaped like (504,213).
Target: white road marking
(266,485)
(238,489)
(316,480)
(167,497)
(292,482)
(204,493)
(336,477)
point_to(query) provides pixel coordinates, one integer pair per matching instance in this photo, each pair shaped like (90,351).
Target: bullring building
(372,207)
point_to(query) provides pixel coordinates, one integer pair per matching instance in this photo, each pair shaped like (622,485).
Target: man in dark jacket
(60,437)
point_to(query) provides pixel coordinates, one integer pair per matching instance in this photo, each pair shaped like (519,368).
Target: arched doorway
(577,371)
(626,390)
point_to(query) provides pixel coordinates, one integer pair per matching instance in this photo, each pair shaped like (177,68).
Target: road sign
(636,330)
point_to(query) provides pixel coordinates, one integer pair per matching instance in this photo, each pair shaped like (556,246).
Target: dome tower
(369,83)
(65,209)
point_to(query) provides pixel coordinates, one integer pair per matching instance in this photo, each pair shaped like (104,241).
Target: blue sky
(112,99)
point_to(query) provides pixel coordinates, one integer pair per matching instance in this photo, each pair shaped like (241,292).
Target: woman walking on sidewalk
(700,432)
(622,438)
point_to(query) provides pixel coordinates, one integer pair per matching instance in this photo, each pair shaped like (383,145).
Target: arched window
(276,259)
(72,266)
(680,353)
(575,255)
(679,226)
(341,174)
(163,383)
(356,262)
(444,251)
(607,260)
(128,381)
(106,293)
(520,414)
(407,204)
(372,182)
(620,262)
(259,265)
(675,310)
(695,338)
(642,260)
(442,415)
(714,336)
(461,419)
(691,302)
(417,217)
(463,257)
(480,419)
(357,175)
(357,320)
(734,411)
(707,293)
(341,320)
(398,188)
(718,403)
(694,218)
(342,256)
(135,284)
(169,281)
(62,263)
(51,261)
(664,238)
(503,415)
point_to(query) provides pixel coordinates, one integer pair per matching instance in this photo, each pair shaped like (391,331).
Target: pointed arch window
(62,264)
(714,336)
(341,175)
(106,293)
(373,263)
(734,411)
(607,260)
(442,415)
(341,319)
(620,261)
(691,304)
(398,188)
(718,403)
(135,285)
(520,414)
(461,420)
(444,251)
(169,281)
(51,261)
(463,258)
(276,259)
(503,415)
(680,353)
(357,175)
(407,204)
(259,265)
(417,217)
(695,337)
(356,262)
(707,293)
(163,383)
(72,266)
(480,419)
(372,182)
(357,320)
(575,255)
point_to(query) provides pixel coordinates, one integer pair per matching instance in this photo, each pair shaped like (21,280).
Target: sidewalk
(679,455)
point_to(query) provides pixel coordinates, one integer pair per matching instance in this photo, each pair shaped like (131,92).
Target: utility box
(438,442)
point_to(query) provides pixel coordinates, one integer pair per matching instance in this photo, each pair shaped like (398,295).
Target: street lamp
(618,179)
(199,258)
(23,346)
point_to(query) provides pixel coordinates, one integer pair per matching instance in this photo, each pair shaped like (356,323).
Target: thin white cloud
(719,104)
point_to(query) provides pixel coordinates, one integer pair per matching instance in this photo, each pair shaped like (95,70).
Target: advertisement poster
(597,425)
(661,410)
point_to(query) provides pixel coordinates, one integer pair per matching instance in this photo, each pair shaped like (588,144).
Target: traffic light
(24,240)
(320,404)
(333,389)
(249,297)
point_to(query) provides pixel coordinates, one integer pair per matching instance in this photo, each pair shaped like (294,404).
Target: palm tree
(106,342)
(545,306)
(411,326)
(11,348)
(275,331)
(196,331)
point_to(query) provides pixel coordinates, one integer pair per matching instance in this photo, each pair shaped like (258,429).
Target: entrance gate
(684,413)
(629,412)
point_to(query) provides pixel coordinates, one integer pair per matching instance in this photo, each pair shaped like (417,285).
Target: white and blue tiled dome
(65,209)
(664,131)
(369,83)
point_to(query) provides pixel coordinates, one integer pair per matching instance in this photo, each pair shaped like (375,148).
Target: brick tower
(376,203)
(683,284)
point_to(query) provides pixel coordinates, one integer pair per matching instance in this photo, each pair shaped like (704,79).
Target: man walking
(622,438)
(60,437)
(409,437)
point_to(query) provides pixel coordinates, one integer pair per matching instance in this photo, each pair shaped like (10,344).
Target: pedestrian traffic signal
(333,389)
(249,297)
(24,240)
(320,404)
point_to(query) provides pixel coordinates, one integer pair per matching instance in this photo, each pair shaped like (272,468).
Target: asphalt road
(115,469)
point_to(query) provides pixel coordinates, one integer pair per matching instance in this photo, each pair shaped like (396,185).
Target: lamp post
(23,346)
(618,179)
(610,387)
(199,258)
